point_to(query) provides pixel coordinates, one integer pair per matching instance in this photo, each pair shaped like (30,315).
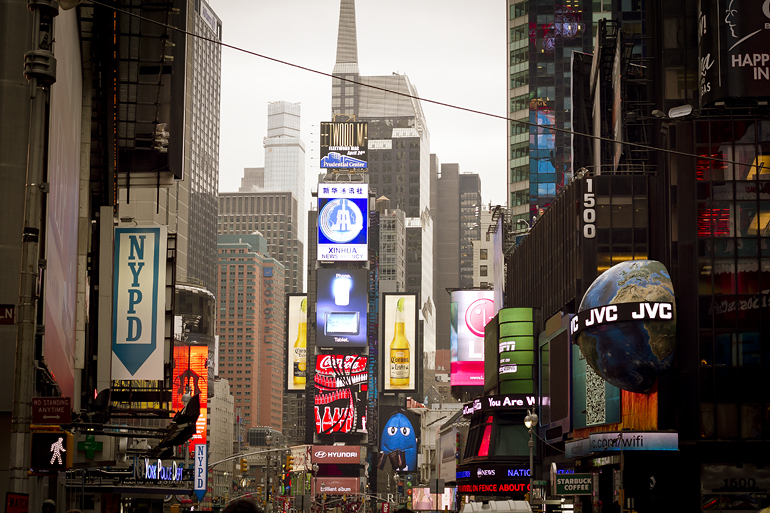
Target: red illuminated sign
(501,488)
(479,314)
(191,375)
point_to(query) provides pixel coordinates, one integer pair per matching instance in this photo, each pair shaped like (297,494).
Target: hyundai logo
(320,454)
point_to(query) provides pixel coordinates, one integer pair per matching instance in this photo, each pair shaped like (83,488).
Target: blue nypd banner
(343,213)
(138,304)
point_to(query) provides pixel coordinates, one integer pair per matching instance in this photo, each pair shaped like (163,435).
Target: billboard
(732,48)
(296,342)
(338,455)
(343,212)
(139,303)
(340,394)
(343,145)
(470,312)
(398,438)
(399,319)
(423,500)
(191,375)
(341,307)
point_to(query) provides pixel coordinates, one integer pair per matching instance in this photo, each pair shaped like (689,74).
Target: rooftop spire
(347,46)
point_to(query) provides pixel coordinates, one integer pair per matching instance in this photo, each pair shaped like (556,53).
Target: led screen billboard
(341,307)
(399,437)
(343,213)
(400,333)
(340,394)
(296,342)
(470,312)
(191,375)
(423,500)
(343,145)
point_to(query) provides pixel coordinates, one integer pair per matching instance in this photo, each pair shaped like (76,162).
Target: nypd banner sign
(343,213)
(138,313)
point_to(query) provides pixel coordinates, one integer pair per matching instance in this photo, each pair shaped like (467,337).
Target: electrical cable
(428,100)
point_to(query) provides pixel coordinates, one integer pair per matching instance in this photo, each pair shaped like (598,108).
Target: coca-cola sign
(340,399)
(336,454)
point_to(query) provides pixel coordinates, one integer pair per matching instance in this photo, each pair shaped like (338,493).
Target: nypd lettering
(638,311)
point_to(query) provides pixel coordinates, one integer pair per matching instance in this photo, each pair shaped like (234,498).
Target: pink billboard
(470,312)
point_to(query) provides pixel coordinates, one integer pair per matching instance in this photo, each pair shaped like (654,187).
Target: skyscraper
(251,327)
(399,156)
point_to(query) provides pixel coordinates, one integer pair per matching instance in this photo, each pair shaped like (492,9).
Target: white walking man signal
(57,448)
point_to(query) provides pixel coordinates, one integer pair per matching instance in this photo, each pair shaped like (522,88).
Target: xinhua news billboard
(343,145)
(399,320)
(343,214)
(341,307)
(470,311)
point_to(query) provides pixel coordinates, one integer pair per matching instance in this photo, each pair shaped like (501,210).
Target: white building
(221,414)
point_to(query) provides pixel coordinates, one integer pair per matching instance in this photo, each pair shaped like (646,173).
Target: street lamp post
(530,421)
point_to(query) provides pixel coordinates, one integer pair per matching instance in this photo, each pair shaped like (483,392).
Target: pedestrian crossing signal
(52,450)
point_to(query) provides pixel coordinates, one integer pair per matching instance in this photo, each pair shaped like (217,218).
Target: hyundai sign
(343,213)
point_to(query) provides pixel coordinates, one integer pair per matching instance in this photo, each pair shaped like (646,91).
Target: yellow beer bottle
(399,350)
(300,346)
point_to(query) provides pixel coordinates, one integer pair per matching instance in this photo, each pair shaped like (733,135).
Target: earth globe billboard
(626,324)
(343,214)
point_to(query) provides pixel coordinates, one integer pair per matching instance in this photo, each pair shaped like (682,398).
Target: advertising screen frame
(344,145)
(389,302)
(293,302)
(467,362)
(194,358)
(335,245)
(351,305)
(446,499)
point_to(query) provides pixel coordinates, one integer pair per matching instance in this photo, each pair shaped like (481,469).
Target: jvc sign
(139,303)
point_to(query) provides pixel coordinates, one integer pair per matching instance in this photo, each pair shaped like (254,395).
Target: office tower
(274,216)
(483,275)
(455,204)
(542,36)
(253,179)
(285,156)
(220,437)
(392,247)
(399,156)
(251,327)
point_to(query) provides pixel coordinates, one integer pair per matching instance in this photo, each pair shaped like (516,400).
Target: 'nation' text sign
(139,309)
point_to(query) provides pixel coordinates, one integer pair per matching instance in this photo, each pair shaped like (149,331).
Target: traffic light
(259,491)
(52,450)
(244,465)
(289,463)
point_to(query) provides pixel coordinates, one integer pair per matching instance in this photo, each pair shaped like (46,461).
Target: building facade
(482,253)
(392,270)
(272,214)
(251,328)
(220,435)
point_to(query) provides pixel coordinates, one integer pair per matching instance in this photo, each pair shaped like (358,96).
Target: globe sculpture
(630,354)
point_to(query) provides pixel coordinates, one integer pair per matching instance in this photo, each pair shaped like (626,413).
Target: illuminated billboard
(423,500)
(139,303)
(343,213)
(191,375)
(343,145)
(296,342)
(399,320)
(399,438)
(341,307)
(470,311)
(340,394)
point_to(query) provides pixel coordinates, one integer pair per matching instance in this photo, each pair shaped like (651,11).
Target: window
(482,270)
(483,254)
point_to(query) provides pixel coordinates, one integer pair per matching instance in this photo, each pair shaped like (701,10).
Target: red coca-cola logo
(351,364)
(478,315)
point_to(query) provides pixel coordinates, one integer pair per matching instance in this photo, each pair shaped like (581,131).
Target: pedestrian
(49,506)
(243,506)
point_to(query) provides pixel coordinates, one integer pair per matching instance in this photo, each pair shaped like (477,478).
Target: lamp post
(315,487)
(268,442)
(530,421)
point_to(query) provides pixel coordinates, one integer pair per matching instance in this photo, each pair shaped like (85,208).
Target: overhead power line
(427,100)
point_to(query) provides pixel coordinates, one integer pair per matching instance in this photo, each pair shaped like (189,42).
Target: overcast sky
(453,51)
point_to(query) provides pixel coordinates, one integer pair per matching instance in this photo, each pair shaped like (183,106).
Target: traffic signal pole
(40,71)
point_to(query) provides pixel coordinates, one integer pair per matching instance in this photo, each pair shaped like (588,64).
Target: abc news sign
(641,311)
